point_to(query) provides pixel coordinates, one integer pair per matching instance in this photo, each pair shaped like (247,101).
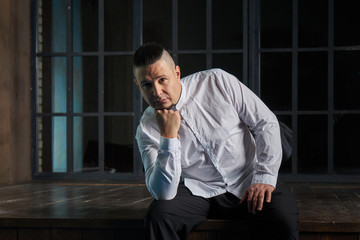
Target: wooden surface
(328,207)
(110,210)
(76,201)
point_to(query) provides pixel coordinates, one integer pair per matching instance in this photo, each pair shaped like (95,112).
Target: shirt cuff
(169,156)
(168,144)
(265,178)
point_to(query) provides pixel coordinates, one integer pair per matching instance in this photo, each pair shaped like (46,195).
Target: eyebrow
(144,81)
(158,77)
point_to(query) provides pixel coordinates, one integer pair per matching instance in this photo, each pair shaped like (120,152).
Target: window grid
(251,51)
(295,112)
(38,114)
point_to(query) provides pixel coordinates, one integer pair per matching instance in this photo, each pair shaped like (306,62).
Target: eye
(162,80)
(146,85)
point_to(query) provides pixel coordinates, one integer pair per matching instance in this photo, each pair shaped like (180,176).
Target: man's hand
(168,122)
(255,196)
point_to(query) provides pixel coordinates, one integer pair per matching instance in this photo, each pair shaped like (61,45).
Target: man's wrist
(169,135)
(168,143)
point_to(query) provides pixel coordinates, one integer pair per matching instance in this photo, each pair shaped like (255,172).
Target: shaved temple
(168,59)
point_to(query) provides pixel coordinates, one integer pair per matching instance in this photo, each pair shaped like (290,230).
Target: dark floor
(41,205)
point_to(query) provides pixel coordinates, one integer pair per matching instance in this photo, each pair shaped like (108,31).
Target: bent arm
(265,128)
(162,164)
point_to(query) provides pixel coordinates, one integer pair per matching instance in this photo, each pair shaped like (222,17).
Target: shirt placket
(203,143)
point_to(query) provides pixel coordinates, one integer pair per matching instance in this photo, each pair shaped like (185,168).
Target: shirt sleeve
(264,126)
(162,164)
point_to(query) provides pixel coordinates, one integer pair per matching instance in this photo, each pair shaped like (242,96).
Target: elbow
(163,194)
(162,187)
(165,197)
(163,190)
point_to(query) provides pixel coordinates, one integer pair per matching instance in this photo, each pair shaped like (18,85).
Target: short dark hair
(148,54)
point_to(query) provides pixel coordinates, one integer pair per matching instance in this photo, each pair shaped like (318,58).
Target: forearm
(268,151)
(163,169)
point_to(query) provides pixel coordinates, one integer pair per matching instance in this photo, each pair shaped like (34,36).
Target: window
(309,55)
(85,99)
(300,57)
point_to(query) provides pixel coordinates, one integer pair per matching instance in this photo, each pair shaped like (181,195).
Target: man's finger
(244,197)
(260,201)
(268,196)
(254,205)
(250,200)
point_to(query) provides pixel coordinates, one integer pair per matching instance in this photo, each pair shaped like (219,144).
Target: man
(210,148)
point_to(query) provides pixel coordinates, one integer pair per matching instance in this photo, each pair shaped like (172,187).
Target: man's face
(159,84)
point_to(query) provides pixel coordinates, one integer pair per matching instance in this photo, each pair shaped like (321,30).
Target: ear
(136,82)
(177,72)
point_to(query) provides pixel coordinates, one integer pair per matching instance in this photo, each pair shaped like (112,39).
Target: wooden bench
(115,211)
(326,212)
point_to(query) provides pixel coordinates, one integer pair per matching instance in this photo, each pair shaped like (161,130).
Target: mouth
(160,102)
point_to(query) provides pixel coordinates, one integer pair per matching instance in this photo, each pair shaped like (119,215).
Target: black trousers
(174,219)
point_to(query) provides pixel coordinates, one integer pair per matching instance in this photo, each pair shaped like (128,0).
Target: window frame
(137,172)
(251,75)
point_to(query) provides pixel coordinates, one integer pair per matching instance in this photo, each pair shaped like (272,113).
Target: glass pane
(227,23)
(119,144)
(51,84)
(85,88)
(192,24)
(157,22)
(347,80)
(313,23)
(118,25)
(118,84)
(347,21)
(276,24)
(286,164)
(312,144)
(86,144)
(346,143)
(312,81)
(191,63)
(276,82)
(52,144)
(85,25)
(52,26)
(230,62)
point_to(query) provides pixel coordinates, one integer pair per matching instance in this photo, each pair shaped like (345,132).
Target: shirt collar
(182,98)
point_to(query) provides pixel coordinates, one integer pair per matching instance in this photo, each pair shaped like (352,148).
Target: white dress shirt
(228,139)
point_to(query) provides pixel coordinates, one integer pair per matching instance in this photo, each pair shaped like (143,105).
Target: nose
(157,90)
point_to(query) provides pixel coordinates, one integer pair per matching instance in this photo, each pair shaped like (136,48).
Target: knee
(282,217)
(156,212)
(288,225)
(284,224)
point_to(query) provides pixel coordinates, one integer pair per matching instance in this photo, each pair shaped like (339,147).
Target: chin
(157,107)
(162,107)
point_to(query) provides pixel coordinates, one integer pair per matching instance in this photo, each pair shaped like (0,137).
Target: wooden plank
(8,234)
(329,227)
(330,208)
(98,234)
(76,201)
(328,236)
(34,234)
(324,207)
(204,235)
(68,234)
(127,233)
(72,223)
